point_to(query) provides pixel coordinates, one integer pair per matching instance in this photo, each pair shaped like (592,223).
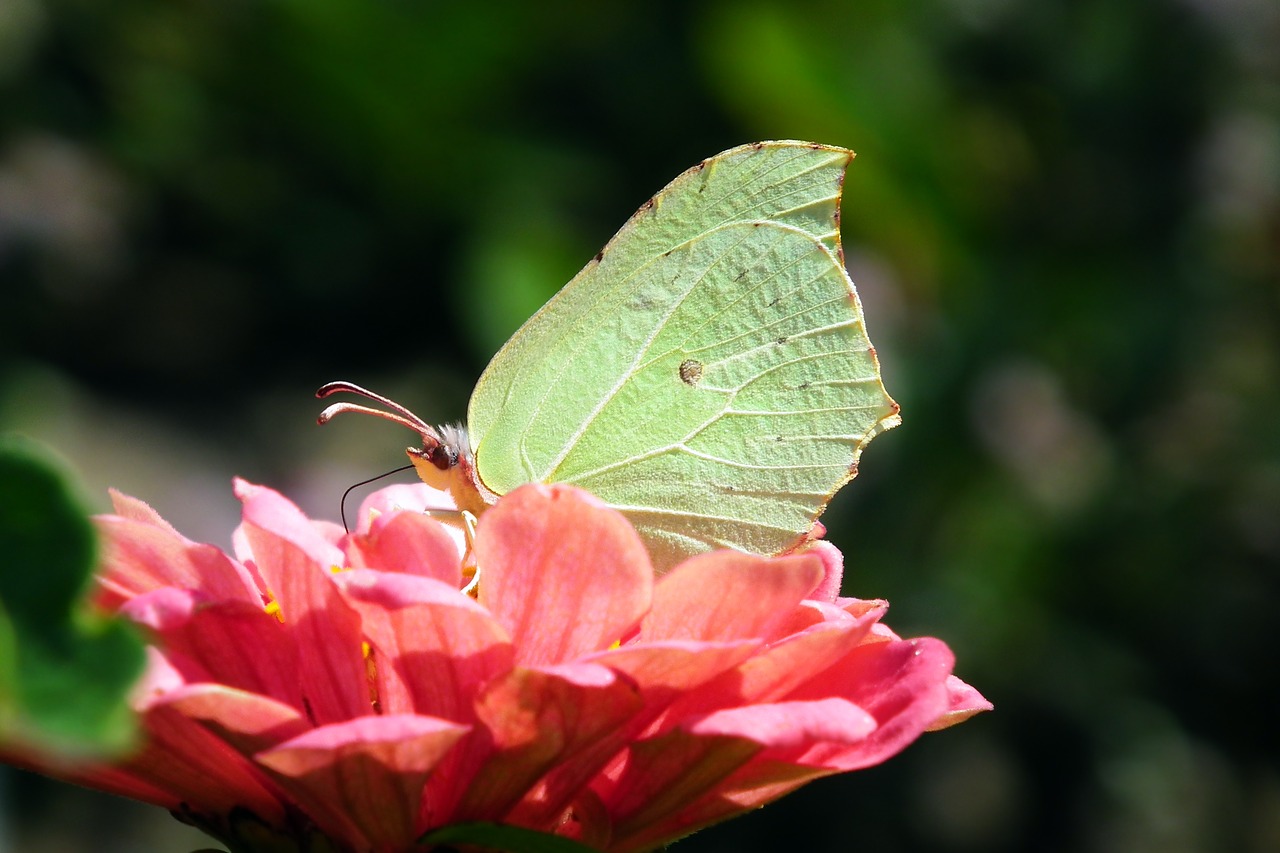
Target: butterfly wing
(708,373)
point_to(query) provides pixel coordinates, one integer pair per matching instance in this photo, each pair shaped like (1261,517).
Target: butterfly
(707,373)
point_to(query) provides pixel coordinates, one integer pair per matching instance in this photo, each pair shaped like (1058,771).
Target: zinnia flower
(330,691)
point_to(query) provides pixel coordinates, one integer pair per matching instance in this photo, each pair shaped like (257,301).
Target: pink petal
(248,722)
(662,673)
(139,556)
(208,642)
(197,767)
(833,571)
(363,779)
(433,646)
(725,595)
(963,703)
(537,720)
(662,775)
(787,664)
(903,684)
(789,725)
(791,661)
(322,626)
(417,498)
(269,511)
(159,677)
(668,773)
(408,542)
(111,779)
(135,510)
(756,783)
(672,667)
(563,573)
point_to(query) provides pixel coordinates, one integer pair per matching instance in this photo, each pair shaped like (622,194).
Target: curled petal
(194,765)
(408,542)
(902,684)
(133,509)
(789,726)
(418,498)
(248,722)
(832,570)
(369,772)
(963,702)
(538,719)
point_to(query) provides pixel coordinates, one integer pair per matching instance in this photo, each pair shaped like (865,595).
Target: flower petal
(367,774)
(564,574)
(661,791)
(725,595)
(538,719)
(963,702)
(250,723)
(902,683)
(197,767)
(133,509)
(207,642)
(140,556)
(433,646)
(789,725)
(325,630)
(408,542)
(268,510)
(671,667)
(833,571)
(661,673)
(116,780)
(784,666)
(407,497)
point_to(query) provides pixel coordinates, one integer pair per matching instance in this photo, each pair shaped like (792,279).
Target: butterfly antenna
(342,504)
(398,414)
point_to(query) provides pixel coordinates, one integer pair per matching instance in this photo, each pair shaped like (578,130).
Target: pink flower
(324,684)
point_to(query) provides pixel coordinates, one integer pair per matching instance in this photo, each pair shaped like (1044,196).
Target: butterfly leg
(469,557)
(470,569)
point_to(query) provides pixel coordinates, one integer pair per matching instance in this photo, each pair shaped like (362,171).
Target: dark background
(1064,221)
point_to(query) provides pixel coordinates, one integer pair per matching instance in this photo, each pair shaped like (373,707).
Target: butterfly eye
(443,456)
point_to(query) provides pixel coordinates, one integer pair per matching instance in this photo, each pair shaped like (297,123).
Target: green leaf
(513,839)
(65,673)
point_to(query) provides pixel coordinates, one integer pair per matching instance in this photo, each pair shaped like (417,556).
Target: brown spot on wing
(690,371)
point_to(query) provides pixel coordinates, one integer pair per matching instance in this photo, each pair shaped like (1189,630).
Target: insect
(708,373)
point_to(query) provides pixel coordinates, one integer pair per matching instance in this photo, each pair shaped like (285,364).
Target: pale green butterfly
(708,373)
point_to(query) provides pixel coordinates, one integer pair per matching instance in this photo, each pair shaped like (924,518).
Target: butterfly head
(444,461)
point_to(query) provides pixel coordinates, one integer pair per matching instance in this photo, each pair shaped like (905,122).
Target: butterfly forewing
(709,373)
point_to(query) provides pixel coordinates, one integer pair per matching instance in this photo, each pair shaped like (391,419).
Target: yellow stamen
(273,609)
(371,673)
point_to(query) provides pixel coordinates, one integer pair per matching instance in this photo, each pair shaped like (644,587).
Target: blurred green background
(1064,221)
